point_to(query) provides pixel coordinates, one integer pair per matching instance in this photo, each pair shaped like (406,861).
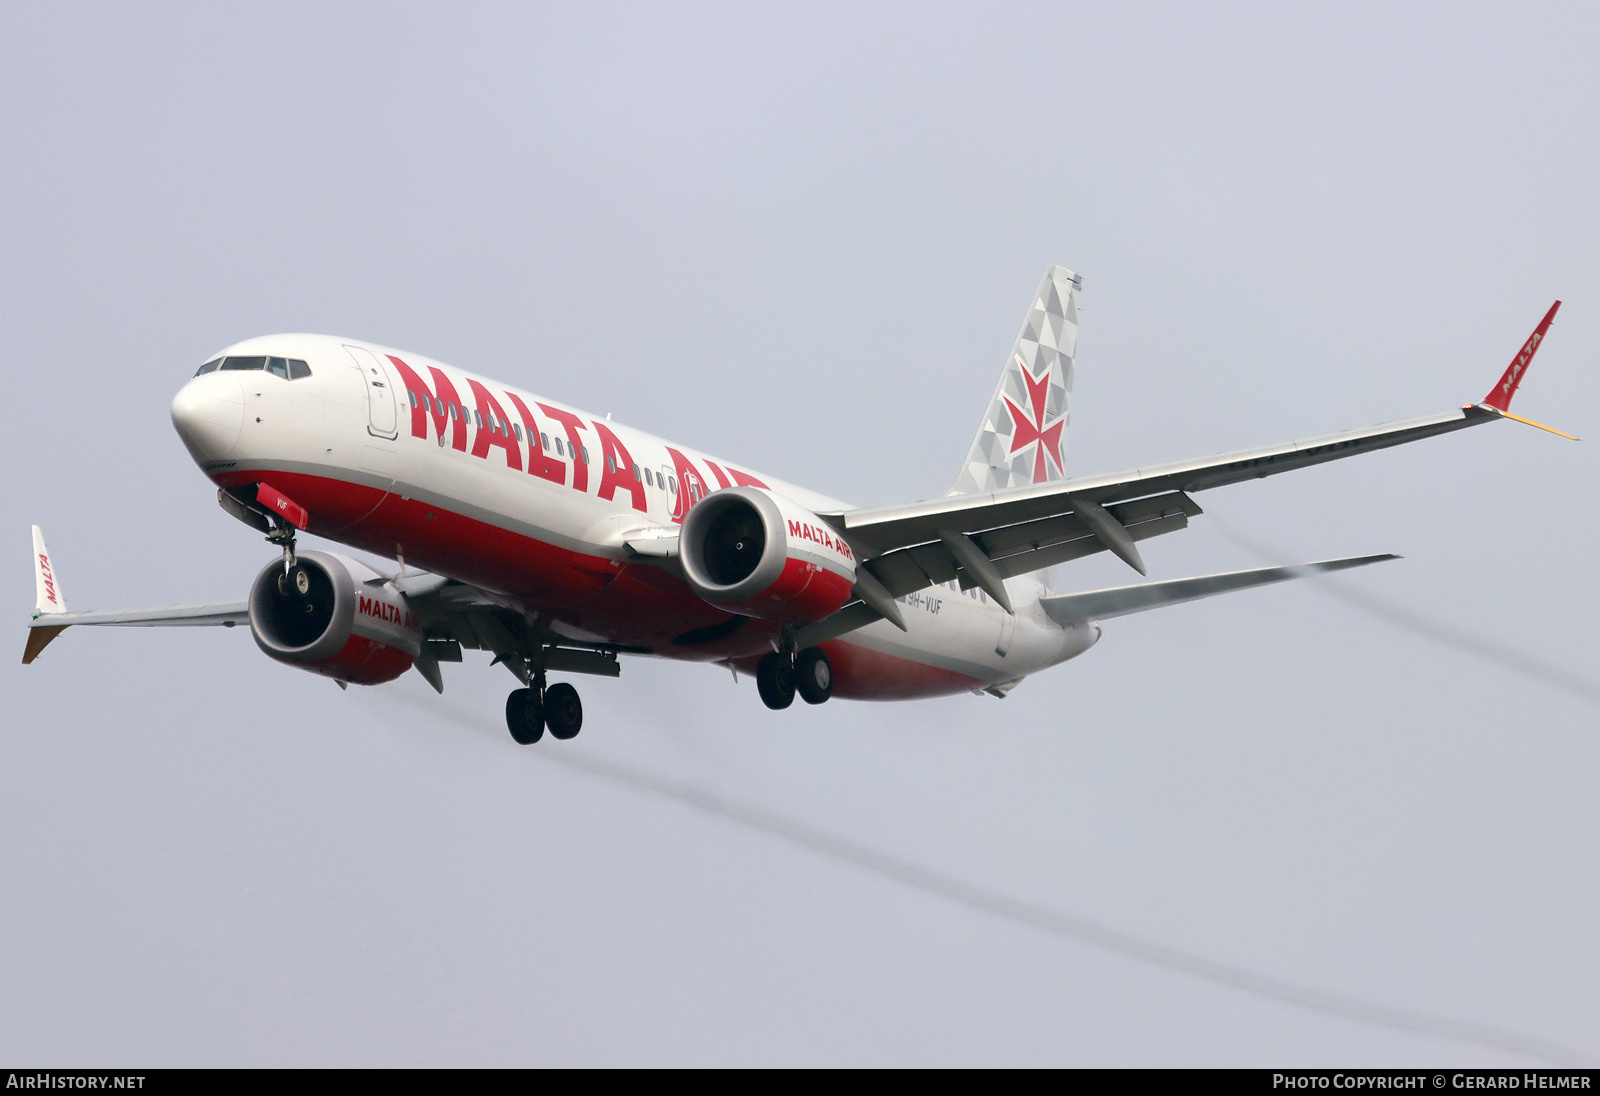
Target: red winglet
(272,498)
(1499,396)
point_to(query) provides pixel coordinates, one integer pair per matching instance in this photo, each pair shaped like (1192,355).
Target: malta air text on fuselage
(380,403)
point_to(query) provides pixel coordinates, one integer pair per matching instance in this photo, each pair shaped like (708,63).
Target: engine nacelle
(344,626)
(755,553)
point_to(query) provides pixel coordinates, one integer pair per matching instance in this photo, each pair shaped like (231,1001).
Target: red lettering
(795,528)
(617,469)
(540,463)
(494,414)
(365,605)
(428,402)
(49,579)
(691,488)
(722,480)
(580,467)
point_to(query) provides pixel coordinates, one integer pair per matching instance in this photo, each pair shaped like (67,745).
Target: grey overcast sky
(804,238)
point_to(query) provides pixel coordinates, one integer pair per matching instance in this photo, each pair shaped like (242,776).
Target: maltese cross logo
(1030,428)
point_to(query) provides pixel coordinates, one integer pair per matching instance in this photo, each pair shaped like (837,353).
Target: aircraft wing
(982,539)
(884,529)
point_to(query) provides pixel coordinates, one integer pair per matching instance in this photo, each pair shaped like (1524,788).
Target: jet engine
(334,616)
(756,553)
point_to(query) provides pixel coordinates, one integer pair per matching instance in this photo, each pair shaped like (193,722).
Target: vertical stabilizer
(1023,437)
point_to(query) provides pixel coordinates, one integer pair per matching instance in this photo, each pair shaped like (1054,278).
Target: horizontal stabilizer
(1067,609)
(225,614)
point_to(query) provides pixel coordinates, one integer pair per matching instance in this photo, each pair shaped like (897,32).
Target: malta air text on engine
(801,530)
(389,614)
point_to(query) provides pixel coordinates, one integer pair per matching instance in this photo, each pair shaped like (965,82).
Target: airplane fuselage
(533,501)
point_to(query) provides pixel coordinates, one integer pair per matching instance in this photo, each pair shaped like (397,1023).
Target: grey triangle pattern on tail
(1023,436)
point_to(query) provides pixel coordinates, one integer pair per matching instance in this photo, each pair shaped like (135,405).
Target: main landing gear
(782,674)
(529,711)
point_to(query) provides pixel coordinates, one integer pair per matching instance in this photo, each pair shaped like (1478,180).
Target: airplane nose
(208,414)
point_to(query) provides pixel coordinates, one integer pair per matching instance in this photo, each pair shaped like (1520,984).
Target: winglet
(1499,396)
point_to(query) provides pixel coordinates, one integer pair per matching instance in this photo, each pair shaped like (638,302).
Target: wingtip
(1505,388)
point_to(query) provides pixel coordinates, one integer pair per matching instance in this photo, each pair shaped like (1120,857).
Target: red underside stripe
(633,605)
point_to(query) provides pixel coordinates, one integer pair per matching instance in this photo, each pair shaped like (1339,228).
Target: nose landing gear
(294,580)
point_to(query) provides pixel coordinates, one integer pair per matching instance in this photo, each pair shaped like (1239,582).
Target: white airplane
(559,541)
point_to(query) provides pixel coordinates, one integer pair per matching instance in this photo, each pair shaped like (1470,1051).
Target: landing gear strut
(529,711)
(283,535)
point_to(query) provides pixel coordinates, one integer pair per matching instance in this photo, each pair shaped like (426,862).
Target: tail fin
(1024,430)
(1067,609)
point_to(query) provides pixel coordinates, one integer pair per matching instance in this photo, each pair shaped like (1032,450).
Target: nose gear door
(382,413)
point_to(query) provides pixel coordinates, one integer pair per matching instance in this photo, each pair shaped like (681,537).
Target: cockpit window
(290,369)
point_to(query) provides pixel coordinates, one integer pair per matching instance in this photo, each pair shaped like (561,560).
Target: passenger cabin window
(636,473)
(516,428)
(544,441)
(560,452)
(585,450)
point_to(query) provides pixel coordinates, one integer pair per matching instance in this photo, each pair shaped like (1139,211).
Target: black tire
(775,681)
(563,711)
(813,676)
(525,716)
